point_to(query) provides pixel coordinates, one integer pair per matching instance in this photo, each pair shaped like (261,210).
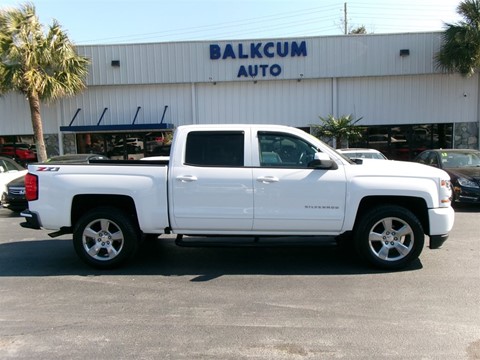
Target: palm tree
(43,67)
(339,128)
(360,30)
(460,51)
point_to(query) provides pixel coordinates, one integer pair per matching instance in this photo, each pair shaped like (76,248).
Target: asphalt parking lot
(237,303)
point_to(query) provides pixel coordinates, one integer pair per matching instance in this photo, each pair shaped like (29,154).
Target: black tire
(105,238)
(150,237)
(16,210)
(389,237)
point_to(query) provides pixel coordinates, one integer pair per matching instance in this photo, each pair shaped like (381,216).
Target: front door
(289,196)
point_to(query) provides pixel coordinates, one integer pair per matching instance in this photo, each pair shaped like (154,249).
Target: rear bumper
(31,220)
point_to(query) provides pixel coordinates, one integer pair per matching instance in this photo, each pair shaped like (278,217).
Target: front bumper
(32,220)
(440,224)
(14,202)
(463,194)
(437,241)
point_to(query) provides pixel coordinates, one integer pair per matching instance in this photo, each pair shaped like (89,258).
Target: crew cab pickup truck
(249,180)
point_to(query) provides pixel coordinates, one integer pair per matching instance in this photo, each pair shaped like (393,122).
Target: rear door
(212,189)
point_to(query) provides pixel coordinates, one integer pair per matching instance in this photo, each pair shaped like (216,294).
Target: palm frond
(33,61)
(42,66)
(343,127)
(460,49)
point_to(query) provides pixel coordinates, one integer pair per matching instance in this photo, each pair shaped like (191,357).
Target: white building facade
(140,91)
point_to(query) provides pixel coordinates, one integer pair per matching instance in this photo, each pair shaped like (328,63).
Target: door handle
(187,178)
(268,179)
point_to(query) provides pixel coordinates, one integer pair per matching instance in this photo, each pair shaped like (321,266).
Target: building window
(404,142)
(125,146)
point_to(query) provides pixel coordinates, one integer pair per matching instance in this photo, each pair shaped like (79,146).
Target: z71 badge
(48,168)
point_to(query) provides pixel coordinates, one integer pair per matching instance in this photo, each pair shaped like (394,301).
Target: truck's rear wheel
(389,237)
(105,238)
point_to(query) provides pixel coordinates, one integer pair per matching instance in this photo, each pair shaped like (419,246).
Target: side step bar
(256,241)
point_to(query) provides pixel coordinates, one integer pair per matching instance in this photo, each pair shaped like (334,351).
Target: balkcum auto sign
(259,50)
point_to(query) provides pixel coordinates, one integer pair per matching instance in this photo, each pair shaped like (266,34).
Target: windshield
(460,159)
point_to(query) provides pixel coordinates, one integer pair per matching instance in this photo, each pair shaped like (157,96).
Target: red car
(22,152)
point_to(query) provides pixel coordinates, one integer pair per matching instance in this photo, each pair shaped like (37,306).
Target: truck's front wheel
(390,237)
(105,237)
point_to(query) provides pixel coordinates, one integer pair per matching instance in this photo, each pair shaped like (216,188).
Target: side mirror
(322,161)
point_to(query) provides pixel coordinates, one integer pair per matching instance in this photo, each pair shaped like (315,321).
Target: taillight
(31,187)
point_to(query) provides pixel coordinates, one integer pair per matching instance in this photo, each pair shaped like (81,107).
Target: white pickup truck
(249,180)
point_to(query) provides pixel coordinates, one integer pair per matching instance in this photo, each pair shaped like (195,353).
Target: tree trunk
(34,102)
(338,142)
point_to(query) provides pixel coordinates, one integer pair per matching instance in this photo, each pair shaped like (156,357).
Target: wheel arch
(416,205)
(84,203)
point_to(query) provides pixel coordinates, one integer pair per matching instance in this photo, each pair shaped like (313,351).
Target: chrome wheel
(391,239)
(105,237)
(102,239)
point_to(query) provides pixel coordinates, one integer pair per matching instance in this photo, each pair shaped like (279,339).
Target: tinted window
(215,148)
(422,158)
(432,159)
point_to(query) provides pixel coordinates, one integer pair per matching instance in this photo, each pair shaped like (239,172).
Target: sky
(140,21)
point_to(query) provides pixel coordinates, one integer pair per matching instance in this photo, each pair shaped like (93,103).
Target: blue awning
(110,128)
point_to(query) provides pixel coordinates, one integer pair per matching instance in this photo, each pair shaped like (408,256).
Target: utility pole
(345,18)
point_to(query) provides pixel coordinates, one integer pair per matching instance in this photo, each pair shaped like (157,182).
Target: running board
(256,241)
(63,231)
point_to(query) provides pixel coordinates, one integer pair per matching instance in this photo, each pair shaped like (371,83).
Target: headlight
(467,183)
(446,184)
(445,193)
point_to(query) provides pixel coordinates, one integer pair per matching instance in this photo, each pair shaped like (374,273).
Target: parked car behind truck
(13,196)
(249,180)
(463,167)
(9,170)
(22,153)
(362,153)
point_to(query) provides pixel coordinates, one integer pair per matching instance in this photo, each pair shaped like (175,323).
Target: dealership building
(138,93)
